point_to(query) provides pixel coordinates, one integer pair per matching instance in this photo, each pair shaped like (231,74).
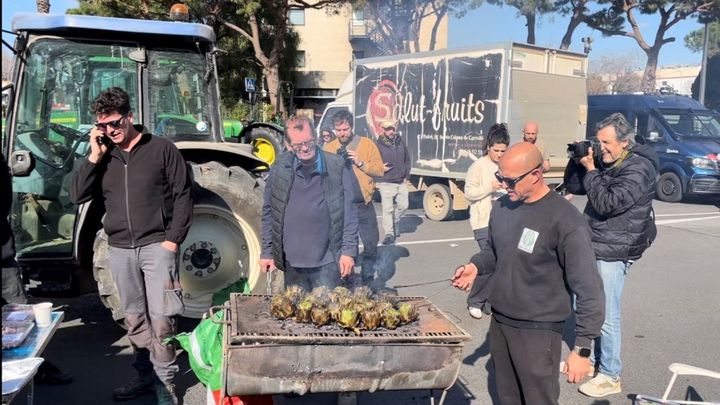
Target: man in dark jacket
(539,254)
(298,236)
(146,189)
(393,184)
(620,190)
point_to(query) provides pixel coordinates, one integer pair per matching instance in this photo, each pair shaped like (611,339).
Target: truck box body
(444,102)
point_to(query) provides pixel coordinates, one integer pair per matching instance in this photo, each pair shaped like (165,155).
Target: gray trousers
(148,282)
(13,291)
(394,203)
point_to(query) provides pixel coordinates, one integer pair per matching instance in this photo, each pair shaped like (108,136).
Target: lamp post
(703,69)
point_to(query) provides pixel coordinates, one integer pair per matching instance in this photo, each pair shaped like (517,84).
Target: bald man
(539,255)
(530,133)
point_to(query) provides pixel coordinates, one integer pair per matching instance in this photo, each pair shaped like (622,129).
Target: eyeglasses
(512,182)
(115,124)
(300,145)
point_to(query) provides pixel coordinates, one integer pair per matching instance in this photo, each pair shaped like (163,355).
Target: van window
(326,120)
(690,123)
(654,125)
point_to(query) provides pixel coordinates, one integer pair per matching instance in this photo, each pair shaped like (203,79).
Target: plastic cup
(42,312)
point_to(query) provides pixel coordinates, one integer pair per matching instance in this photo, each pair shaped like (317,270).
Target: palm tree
(43,6)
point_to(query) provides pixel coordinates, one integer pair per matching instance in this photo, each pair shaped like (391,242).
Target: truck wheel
(669,188)
(437,202)
(222,245)
(106,285)
(266,143)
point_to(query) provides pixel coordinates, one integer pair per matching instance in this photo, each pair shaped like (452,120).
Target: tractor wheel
(267,144)
(222,245)
(437,202)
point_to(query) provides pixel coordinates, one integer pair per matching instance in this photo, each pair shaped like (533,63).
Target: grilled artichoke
(303,310)
(390,318)
(382,306)
(341,291)
(320,315)
(362,293)
(408,312)
(335,309)
(371,319)
(294,293)
(281,307)
(387,296)
(349,319)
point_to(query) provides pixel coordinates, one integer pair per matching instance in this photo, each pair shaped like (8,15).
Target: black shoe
(50,375)
(389,239)
(138,385)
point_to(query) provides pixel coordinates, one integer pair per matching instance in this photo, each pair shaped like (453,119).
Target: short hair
(497,134)
(297,122)
(623,130)
(343,116)
(113,99)
(323,129)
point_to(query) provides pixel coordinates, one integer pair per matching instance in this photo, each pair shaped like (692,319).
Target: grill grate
(251,323)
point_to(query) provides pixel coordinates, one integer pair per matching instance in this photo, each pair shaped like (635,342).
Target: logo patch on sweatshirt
(527,240)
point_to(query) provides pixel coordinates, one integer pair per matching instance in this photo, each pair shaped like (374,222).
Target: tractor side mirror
(21,163)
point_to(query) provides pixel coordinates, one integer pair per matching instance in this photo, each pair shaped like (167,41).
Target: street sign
(250,85)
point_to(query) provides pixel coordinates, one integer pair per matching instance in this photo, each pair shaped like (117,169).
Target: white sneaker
(601,386)
(476,313)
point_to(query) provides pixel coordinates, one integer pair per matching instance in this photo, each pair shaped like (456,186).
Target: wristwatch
(582,351)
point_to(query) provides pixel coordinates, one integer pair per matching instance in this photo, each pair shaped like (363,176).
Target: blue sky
(490,23)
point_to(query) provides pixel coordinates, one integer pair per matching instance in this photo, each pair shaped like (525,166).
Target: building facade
(329,42)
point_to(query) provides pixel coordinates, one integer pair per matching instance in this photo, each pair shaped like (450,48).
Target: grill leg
(442,397)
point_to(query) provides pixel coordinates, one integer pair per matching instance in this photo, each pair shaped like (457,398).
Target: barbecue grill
(264,355)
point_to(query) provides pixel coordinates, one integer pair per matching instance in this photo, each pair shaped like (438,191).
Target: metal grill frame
(241,305)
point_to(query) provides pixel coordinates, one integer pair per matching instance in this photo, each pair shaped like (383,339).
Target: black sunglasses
(115,124)
(512,182)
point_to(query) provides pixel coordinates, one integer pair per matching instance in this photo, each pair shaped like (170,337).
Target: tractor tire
(267,143)
(669,188)
(437,202)
(222,245)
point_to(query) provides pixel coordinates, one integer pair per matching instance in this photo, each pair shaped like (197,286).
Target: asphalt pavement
(670,314)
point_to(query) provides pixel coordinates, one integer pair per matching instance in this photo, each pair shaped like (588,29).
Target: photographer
(364,157)
(619,183)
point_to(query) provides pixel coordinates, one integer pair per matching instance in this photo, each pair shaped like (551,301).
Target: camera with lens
(578,150)
(342,152)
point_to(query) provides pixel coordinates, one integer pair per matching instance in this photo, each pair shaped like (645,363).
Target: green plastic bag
(204,346)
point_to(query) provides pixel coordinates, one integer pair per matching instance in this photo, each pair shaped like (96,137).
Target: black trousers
(370,235)
(527,364)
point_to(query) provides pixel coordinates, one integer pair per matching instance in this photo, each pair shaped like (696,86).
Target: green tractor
(62,62)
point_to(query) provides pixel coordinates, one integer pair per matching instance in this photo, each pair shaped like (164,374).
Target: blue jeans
(607,345)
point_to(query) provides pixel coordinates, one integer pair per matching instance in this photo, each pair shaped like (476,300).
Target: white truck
(444,102)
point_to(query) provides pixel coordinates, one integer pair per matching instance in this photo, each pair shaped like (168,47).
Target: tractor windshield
(169,95)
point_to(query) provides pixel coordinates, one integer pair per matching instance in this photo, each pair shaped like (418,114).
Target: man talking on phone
(393,183)
(146,190)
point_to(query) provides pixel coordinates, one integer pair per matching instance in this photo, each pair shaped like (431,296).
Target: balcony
(358,30)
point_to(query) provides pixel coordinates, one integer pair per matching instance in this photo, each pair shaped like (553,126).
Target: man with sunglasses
(363,156)
(298,236)
(539,255)
(146,190)
(620,190)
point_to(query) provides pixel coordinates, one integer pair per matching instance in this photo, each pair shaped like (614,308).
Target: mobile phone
(104,140)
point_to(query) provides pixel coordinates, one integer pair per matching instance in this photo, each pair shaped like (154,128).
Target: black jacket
(397,157)
(147,199)
(619,208)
